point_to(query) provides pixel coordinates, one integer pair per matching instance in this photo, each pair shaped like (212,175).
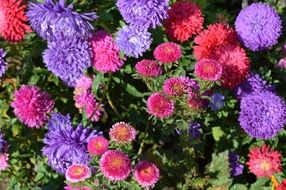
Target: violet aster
(3,143)
(65,145)
(258,26)
(3,64)
(194,129)
(146,13)
(216,102)
(51,20)
(133,41)
(262,114)
(253,83)
(235,166)
(68,58)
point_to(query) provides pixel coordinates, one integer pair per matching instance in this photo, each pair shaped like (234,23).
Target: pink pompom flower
(146,174)
(82,85)
(115,165)
(32,106)
(97,145)
(207,69)
(264,162)
(78,172)
(4,158)
(148,68)
(122,132)
(106,54)
(160,106)
(168,52)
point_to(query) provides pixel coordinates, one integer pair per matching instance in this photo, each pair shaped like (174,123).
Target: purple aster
(133,41)
(145,13)
(253,83)
(262,114)
(51,20)
(3,64)
(282,63)
(258,26)
(216,102)
(65,145)
(3,144)
(235,166)
(68,58)
(194,129)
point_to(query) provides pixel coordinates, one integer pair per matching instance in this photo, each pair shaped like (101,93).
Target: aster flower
(3,64)
(262,115)
(178,86)
(144,13)
(83,85)
(216,101)
(184,20)
(282,185)
(4,161)
(65,145)
(68,58)
(253,83)
(3,144)
(51,20)
(122,132)
(69,187)
(32,106)
(264,162)
(194,129)
(160,106)
(212,38)
(148,68)
(133,41)
(207,69)
(105,53)
(115,165)
(87,103)
(12,20)
(236,167)
(282,63)
(168,52)
(195,102)
(258,26)
(97,145)
(146,174)
(78,172)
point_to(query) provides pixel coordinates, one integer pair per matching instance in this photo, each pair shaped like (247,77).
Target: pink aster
(115,165)
(97,145)
(264,162)
(208,69)
(122,132)
(196,102)
(178,86)
(86,102)
(78,172)
(4,158)
(32,106)
(83,84)
(106,54)
(146,173)
(148,68)
(168,52)
(160,106)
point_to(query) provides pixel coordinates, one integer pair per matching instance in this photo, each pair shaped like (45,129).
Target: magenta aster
(207,69)
(146,173)
(168,52)
(148,68)
(32,106)
(122,132)
(160,106)
(82,85)
(115,165)
(78,172)
(97,145)
(4,161)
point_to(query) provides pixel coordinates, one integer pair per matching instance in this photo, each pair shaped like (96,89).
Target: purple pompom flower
(262,114)
(253,83)
(52,20)
(65,145)
(3,144)
(282,63)
(68,58)
(145,13)
(133,41)
(235,166)
(216,102)
(258,26)
(3,64)
(194,129)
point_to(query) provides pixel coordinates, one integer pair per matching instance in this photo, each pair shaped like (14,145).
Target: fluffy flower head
(216,101)
(160,106)
(235,166)
(122,132)
(4,161)
(194,129)
(148,68)
(264,162)
(184,20)
(3,64)
(146,174)
(97,145)
(258,26)
(77,172)
(32,106)
(83,85)
(168,52)
(115,165)
(207,69)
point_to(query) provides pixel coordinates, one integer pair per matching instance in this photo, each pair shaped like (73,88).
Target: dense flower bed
(142,94)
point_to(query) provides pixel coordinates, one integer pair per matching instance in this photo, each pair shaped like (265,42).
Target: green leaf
(133,91)
(239,187)
(217,133)
(96,82)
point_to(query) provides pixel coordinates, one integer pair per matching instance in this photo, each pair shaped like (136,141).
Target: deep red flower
(282,185)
